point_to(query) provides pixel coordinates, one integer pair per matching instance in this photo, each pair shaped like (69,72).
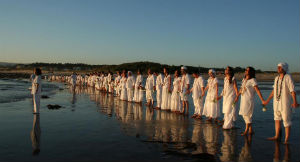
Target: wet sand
(94,126)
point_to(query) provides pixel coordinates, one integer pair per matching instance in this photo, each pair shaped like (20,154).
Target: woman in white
(211,105)
(197,91)
(229,94)
(284,89)
(129,85)
(249,86)
(159,84)
(150,87)
(175,97)
(166,91)
(117,84)
(109,79)
(36,90)
(123,80)
(138,88)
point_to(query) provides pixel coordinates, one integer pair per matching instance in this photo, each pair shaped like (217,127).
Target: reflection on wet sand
(175,134)
(35,134)
(277,153)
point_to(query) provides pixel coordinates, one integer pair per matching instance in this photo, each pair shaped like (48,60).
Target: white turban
(183,68)
(212,71)
(284,66)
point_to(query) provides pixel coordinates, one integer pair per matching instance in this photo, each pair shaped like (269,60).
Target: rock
(52,107)
(44,96)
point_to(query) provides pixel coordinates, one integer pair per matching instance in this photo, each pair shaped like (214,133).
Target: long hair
(231,73)
(38,71)
(251,72)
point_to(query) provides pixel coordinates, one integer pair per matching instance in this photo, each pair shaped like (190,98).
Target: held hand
(202,94)
(187,92)
(236,99)
(265,103)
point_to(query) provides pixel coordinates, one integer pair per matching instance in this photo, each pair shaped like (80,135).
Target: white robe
(175,97)
(229,109)
(123,95)
(166,95)
(36,93)
(211,105)
(129,85)
(150,83)
(197,95)
(247,97)
(159,83)
(138,92)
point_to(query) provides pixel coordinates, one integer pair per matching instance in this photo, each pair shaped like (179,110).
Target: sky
(207,33)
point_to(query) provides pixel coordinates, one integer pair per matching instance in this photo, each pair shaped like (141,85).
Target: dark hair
(38,71)
(196,71)
(251,72)
(231,73)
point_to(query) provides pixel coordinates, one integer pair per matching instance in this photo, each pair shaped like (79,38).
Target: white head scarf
(212,71)
(183,68)
(284,66)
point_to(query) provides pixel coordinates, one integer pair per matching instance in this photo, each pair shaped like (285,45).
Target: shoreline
(263,77)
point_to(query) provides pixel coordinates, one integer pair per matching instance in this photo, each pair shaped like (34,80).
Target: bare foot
(286,142)
(243,133)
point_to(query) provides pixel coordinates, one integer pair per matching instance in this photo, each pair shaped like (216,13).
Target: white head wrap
(183,68)
(284,66)
(212,71)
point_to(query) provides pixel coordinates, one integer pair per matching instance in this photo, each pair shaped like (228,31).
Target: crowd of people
(172,93)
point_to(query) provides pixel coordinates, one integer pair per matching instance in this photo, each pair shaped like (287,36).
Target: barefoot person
(166,91)
(175,97)
(150,87)
(229,93)
(211,105)
(129,85)
(284,91)
(138,91)
(197,90)
(248,89)
(123,95)
(36,90)
(185,89)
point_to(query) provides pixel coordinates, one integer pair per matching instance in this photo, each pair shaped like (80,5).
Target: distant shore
(26,74)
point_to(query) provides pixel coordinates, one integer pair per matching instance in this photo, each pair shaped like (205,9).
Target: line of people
(173,96)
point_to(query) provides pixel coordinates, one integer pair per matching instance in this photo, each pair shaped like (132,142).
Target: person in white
(109,80)
(123,80)
(175,97)
(229,93)
(36,90)
(284,91)
(247,90)
(159,84)
(150,87)
(73,79)
(129,85)
(138,88)
(211,105)
(185,90)
(197,91)
(117,84)
(166,91)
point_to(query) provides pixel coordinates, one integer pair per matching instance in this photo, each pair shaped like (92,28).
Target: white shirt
(159,81)
(285,100)
(130,82)
(139,80)
(247,98)
(197,85)
(150,82)
(185,80)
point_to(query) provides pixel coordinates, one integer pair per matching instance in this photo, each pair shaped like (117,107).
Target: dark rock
(44,96)
(52,107)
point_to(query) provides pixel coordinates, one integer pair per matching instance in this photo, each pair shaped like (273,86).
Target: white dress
(229,108)
(282,99)
(211,105)
(175,97)
(117,85)
(150,83)
(185,81)
(247,97)
(159,83)
(197,95)
(166,95)
(123,95)
(36,93)
(129,85)
(138,92)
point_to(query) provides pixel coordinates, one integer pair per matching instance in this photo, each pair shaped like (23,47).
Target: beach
(95,126)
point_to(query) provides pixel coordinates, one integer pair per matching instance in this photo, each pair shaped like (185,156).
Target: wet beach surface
(94,126)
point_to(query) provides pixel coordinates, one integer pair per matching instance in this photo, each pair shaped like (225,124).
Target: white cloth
(36,102)
(196,94)
(282,107)
(211,105)
(229,108)
(73,79)
(138,92)
(166,95)
(175,97)
(247,97)
(185,81)
(123,95)
(150,83)
(129,85)
(159,84)
(36,87)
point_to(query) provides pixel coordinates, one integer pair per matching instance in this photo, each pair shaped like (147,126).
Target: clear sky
(210,33)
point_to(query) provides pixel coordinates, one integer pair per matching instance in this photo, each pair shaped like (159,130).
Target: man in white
(159,84)
(284,90)
(129,85)
(150,87)
(197,91)
(117,82)
(185,88)
(36,90)
(138,92)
